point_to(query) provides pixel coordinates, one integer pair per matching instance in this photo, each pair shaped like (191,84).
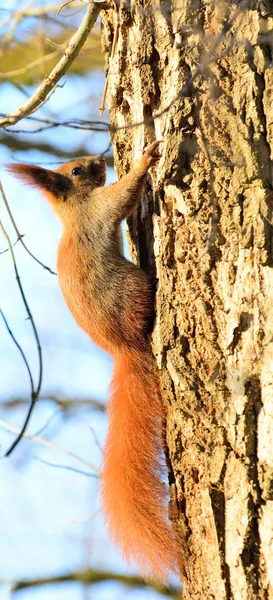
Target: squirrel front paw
(152,154)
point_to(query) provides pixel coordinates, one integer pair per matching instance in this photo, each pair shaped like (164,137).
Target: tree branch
(45,442)
(35,63)
(66,404)
(59,70)
(15,144)
(35,392)
(20,237)
(90,577)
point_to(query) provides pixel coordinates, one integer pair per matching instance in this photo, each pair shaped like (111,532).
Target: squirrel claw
(152,153)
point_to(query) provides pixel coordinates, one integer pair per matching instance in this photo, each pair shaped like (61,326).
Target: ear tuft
(39,178)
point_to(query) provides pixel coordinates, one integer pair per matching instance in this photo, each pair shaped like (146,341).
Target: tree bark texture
(204,228)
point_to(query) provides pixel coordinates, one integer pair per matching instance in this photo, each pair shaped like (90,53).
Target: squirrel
(111,300)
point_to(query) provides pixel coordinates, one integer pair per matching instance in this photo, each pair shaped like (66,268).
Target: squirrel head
(68,186)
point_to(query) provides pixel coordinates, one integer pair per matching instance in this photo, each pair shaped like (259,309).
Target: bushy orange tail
(133,494)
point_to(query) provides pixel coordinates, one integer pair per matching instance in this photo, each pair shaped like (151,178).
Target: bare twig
(7,249)
(72,123)
(49,444)
(35,392)
(21,352)
(66,404)
(65,154)
(31,12)
(91,577)
(187,88)
(49,420)
(63,6)
(86,519)
(95,438)
(41,93)
(59,70)
(30,66)
(20,236)
(65,467)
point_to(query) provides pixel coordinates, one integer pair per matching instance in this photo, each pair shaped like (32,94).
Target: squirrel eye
(76,171)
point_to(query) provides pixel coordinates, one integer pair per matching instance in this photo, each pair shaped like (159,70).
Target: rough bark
(205,230)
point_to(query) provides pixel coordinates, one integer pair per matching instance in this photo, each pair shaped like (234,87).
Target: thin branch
(20,236)
(91,577)
(65,467)
(15,17)
(15,144)
(86,520)
(21,352)
(49,420)
(95,438)
(81,124)
(59,70)
(49,444)
(81,35)
(35,393)
(38,61)
(208,59)
(38,11)
(66,404)
(73,123)
(7,249)
(63,6)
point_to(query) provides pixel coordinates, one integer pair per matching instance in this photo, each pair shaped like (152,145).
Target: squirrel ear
(42,179)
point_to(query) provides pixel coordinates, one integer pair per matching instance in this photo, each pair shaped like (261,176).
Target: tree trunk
(205,230)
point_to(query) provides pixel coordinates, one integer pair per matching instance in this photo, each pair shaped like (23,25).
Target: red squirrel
(111,299)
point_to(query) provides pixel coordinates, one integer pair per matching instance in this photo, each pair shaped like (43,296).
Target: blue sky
(42,506)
